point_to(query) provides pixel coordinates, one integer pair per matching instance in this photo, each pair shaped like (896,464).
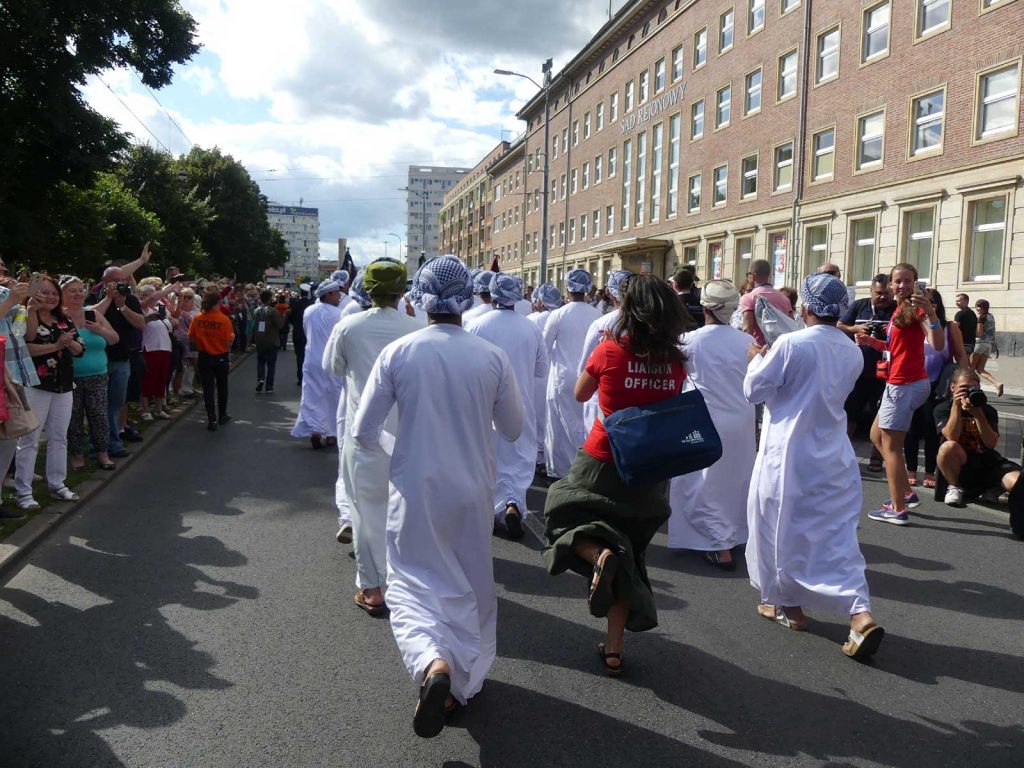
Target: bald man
(830,269)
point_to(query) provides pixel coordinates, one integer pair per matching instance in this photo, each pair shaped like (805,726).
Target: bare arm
(131,267)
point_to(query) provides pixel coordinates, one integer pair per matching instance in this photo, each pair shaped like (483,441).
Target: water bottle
(20,322)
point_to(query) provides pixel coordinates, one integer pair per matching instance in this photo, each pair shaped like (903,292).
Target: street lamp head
(503,72)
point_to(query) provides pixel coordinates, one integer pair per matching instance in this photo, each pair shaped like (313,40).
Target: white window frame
(821,53)
(715,203)
(753,6)
(868,29)
(672,203)
(599,115)
(644,87)
(855,243)
(906,236)
(981,136)
(613,107)
(690,208)
(777,166)
(725,28)
(586,126)
(693,119)
(783,72)
(659,65)
(859,166)
(916,122)
(585,181)
(719,123)
(598,168)
(816,153)
(748,175)
(629,97)
(700,50)
(749,90)
(971,229)
(677,64)
(920,31)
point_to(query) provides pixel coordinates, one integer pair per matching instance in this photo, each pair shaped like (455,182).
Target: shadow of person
(970,597)
(876,554)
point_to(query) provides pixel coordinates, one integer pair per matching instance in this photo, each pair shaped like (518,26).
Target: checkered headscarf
(444,286)
(505,290)
(358,293)
(617,283)
(548,295)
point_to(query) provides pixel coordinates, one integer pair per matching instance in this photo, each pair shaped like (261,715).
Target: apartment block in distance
(709,134)
(464,220)
(300,228)
(426,188)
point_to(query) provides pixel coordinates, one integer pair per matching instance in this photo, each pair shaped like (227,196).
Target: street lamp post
(392,234)
(546,70)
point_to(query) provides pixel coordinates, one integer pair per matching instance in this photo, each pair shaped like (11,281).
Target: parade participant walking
(563,340)
(321,391)
(481,287)
(211,334)
(267,340)
(521,340)
(440,573)
(805,493)
(985,344)
(597,332)
(709,508)
(545,299)
(296,313)
(595,524)
(360,298)
(356,342)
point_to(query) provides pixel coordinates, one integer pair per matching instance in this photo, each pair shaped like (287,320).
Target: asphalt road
(199,612)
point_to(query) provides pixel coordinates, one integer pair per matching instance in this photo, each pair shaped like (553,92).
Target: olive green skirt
(592,502)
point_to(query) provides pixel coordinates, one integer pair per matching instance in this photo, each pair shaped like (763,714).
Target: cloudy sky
(331,100)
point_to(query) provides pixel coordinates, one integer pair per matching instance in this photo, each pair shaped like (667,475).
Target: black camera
(976,397)
(876,329)
(124,289)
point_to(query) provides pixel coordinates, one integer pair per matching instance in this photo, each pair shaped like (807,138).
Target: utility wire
(130,112)
(163,109)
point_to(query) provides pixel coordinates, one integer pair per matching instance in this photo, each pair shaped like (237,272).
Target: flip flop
(716,560)
(778,615)
(602,595)
(428,720)
(513,522)
(372,610)
(611,670)
(860,645)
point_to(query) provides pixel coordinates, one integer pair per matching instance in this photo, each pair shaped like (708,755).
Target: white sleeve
(765,374)
(590,342)
(334,361)
(508,405)
(542,365)
(375,404)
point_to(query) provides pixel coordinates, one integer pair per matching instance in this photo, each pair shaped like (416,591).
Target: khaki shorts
(899,401)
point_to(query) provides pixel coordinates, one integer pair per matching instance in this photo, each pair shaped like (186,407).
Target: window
(561,233)
(563,185)
(572,182)
(656,157)
(565,140)
(815,247)
(755,16)
(586,175)
(673,165)
(697,119)
(927,113)
(932,16)
(609,219)
(724,106)
(596,221)
(693,194)
(786,85)
(782,179)
(659,76)
(627,182)
(752,94)
(862,249)
(918,236)
(744,254)
(554,148)
(988,233)
(554,191)
(870,140)
(597,168)
(613,107)
(789,5)
(572,230)
(575,132)
(583,227)
(700,48)
(726,22)
(644,76)
(599,114)
(720,178)
(828,56)
(997,102)
(824,161)
(677,64)
(611,162)
(986,4)
(586,125)
(629,96)
(748,184)
(876,32)
(778,244)
(641,176)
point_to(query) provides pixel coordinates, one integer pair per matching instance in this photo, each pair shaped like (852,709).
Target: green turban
(384,278)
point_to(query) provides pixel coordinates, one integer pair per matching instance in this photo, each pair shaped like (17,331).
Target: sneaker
(912,500)
(131,435)
(7,514)
(954,496)
(163,415)
(259,385)
(211,426)
(889,515)
(224,419)
(147,416)
(270,389)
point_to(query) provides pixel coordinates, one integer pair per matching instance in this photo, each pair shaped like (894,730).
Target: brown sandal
(372,610)
(778,615)
(612,670)
(602,593)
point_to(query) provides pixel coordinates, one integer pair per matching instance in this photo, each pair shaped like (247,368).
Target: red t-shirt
(906,352)
(624,380)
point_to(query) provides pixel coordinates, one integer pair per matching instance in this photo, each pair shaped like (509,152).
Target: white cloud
(203,77)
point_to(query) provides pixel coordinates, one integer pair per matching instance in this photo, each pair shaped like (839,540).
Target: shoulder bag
(19,419)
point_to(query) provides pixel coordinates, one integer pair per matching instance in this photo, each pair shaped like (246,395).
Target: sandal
(428,720)
(911,478)
(778,615)
(602,595)
(373,610)
(875,465)
(716,560)
(107,465)
(64,493)
(612,670)
(929,480)
(860,645)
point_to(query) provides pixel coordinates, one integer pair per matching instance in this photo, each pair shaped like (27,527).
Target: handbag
(21,420)
(653,443)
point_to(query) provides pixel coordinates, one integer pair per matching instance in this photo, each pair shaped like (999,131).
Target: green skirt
(592,502)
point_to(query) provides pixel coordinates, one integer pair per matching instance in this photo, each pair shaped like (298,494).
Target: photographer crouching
(968,459)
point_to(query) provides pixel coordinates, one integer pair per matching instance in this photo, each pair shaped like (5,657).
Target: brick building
(464,225)
(714,133)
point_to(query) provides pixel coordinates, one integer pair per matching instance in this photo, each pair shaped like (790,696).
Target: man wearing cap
(684,284)
(354,345)
(596,333)
(563,339)
(805,492)
(521,340)
(709,508)
(320,389)
(297,307)
(450,387)
(545,299)
(481,287)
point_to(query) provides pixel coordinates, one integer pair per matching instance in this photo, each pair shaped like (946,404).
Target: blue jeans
(117,390)
(266,365)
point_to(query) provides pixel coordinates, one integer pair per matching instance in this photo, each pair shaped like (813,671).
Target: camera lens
(976,397)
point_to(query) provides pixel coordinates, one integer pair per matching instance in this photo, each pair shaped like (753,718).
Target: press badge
(261,326)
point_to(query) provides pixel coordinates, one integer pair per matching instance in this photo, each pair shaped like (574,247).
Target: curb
(23,540)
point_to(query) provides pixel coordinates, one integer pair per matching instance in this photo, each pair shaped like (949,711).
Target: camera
(124,289)
(976,397)
(876,329)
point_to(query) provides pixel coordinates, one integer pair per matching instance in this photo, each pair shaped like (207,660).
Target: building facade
(425,191)
(464,220)
(300,228)
(711,134)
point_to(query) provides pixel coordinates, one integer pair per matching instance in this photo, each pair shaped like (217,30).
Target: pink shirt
(772,296)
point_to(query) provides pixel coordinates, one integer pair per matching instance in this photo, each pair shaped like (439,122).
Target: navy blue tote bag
(652,443)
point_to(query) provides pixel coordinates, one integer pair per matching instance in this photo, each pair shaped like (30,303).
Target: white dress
(709,508)
(321,391)
(563,339)
(805,493)
(355,344)
(540,389)
(521,340)
(450,387)
(595,334)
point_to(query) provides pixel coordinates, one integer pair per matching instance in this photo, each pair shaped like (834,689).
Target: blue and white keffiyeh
(824,295)
(578,281)
(482,282)
(617,283)
(505,290)
(548,295)
(444,286)
(358,293)
(340,276)
(327,287)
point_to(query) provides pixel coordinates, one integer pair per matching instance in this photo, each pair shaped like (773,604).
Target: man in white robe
(805,493)
(482,288)
(450,387)
(321,391)
(596,333)
(563,339)
(521,340)
(545,298)
(709,508)
(356,342)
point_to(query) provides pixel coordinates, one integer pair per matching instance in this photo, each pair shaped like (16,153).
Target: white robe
(355,344)
(320,390)
(450,387)
(709,508)
(595,334)
(805,493)
(473,313)
(524,308)
(521,340)
(353,307)
(563,339)
(540,388)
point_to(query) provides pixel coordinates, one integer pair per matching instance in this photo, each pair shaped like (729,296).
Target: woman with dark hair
(595,524)
(986,344)
(939,365)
